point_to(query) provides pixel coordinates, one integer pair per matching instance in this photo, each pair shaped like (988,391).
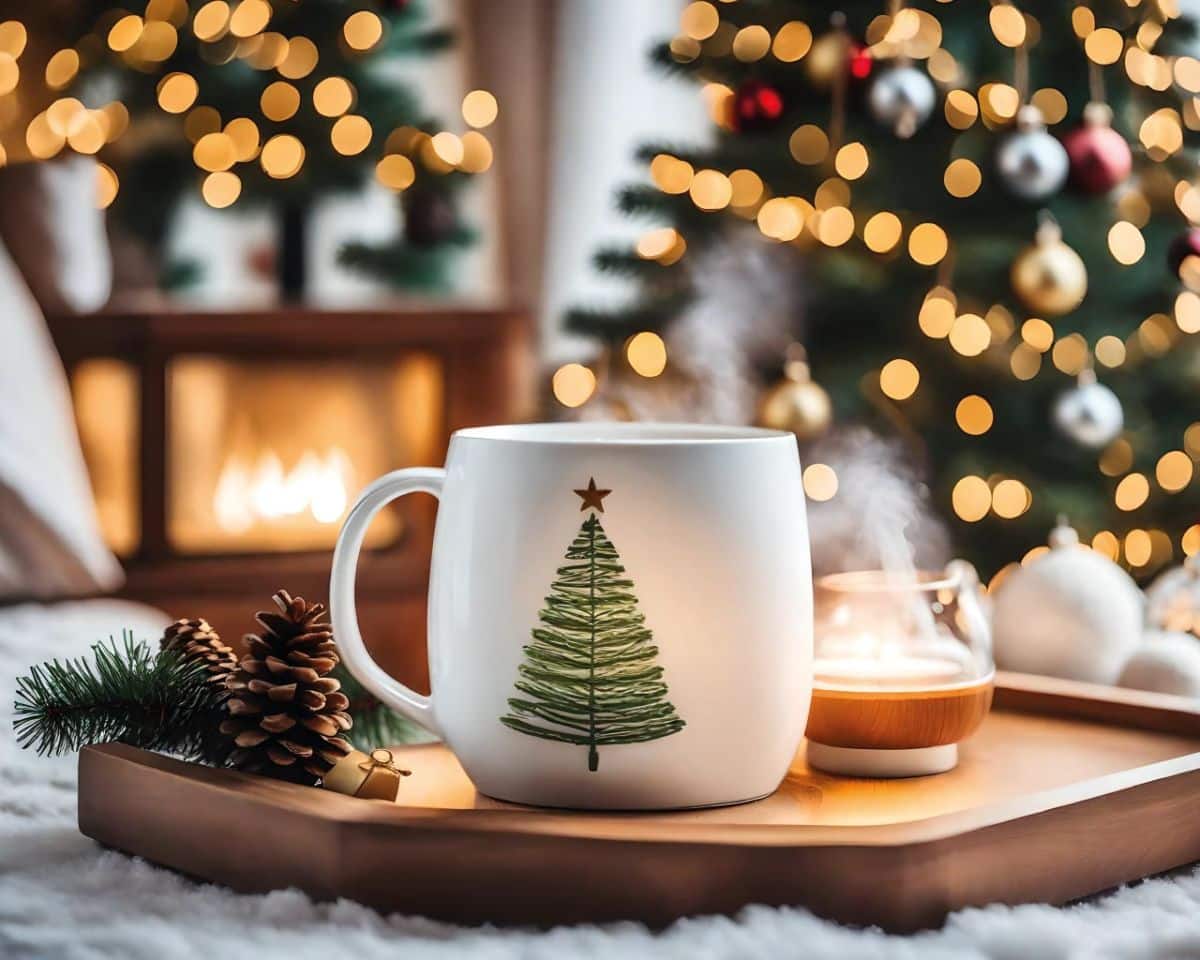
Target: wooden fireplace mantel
(485,358)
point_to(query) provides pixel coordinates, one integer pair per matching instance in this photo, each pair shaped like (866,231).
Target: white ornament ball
(901,99)
(1032,164)
(1165,663)
(1070,613)
(1089,413)
(1173,599)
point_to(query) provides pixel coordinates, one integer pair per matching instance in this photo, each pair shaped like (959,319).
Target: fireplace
(225,449)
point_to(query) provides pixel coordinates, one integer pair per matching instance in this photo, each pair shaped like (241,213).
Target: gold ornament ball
(1049,278)
(802,407)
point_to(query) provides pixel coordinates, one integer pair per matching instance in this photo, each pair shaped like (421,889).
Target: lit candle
(909,672)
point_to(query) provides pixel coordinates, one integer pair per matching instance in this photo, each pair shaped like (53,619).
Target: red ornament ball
(1099,157)
(1185,245)
(755,105)
(860,62)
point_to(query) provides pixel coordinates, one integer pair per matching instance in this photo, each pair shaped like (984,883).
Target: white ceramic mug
(620,615)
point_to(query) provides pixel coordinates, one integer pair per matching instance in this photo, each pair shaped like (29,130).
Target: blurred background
(254,253)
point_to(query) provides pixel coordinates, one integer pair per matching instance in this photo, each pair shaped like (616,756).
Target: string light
(480,109)
(1126,243)
(974,415)
(1025,362)
(1110,351)
(961,109)
(13,38)
(792,41)
(834,226)
(1070,354)
(970,335)
(747,188)
(1106,542)
(1117,458)
(107,185)
(1008,25)
(1138,547)
(300,60)
(214,152)
(282,156)
(1187,312)
(249,17)
(899,379)
(1190,541)
(971,499)
(86,133)
(447,146)
(699,21)
(477,152)
(1104,46)
(851,161)
(279,101)
(882,232)
(1052,103)
(1191,440)
(781,218)
(1131,492)
(938,313)
(1174,471)
(646,353)
(670,174)
(711,190)
(820,482)
(61,69)
(244,133)
(573,384)
(1038,334)
(1010,499)
(333,96)
(362,30)
(395,172)
(221,189)
(751,43)
(962,177)
(125,33)
(351,135)
(927,244)
(41,139)
(201,121)
(10,73)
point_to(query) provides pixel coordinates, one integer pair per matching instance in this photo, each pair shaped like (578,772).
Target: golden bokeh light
(480,109)
(1025,362)
(351,135)
(1161,133)
(1190,541)
(61,69)
(999,101)
(971,498)
(125,33)
(333,96)
(1083,21)
(1138,547)
(221,189)
(657,243)
(87,130)
(1155,334)
(938,313)
(833,192)
(1126,243)
(961,109)
(362,30)
(177,92)
(851,161)
(300,60)
(751,43)
(270,52)
(820,482)
(711,190)
(1131,492)
(1110,351)
(201,121)
(477,152)
(10,73)
(882,232)
(809,144)
(280,101)
(245,136)
(211,21)
(1191,440)
(834,226)
(970,335)
(573,384)
(116,120)
(1187,312)
(927,244)
(1174,471)
(41,139)
(447,146)
(396,172)
(282,156)
(1104,46)
(214,152)
(792,41)
(646,353)
(1105,542)
(62,114)
(107,185)
(962,177)
(1117,458)
(974,415)
(1052,103)
(1038,334)
(781,218)
(943,67)
(1010,499)
(249,17)
(747,188)
(1070,354)
(699,20)
(13,38)
(1008,24)
(899,379)
(670,174)
(156,43)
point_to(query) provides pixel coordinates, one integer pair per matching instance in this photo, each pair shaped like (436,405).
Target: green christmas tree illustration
(590,674)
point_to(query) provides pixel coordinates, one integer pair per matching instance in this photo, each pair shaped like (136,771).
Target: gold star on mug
(592,497)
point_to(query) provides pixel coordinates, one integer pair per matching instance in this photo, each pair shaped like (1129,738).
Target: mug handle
(342,608)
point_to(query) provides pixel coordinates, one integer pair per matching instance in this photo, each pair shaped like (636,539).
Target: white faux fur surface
(61,896)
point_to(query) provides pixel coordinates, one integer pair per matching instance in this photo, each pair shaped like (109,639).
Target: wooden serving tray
(1066,790)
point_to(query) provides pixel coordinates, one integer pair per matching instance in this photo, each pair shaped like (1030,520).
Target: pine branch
(125,693)
(375,725)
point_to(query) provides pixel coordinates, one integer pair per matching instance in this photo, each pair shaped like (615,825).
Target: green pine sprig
(152,700)
(375,724)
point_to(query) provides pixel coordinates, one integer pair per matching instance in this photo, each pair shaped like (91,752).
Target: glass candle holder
(903,671)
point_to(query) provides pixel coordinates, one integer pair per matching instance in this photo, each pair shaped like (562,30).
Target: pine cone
(285,711)
(197,642)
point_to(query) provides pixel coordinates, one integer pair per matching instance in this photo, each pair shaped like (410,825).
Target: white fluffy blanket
(63,896)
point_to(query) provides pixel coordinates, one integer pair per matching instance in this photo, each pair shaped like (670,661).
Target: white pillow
(50,543)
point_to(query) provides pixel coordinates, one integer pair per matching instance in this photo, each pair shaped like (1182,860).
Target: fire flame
(267,494)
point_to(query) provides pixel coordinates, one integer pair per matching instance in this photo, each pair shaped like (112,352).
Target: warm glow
(711,190)
(41,138)
(971,499)
(1070,354)
(215,151)
(820,482)
(395,171)
(1010,499)
(479,108)
(333,96)
(351,135)
(835,226)
(125,33)
(974,415)
(221,189)
(280,101)
(1132,492)
(177,92)
(1138,548)
(781,218)
(670,174)
(1190,542)
(10,73)
(851,161)
(1174,471)
(573,384)
(1038,334)
(646,353)
(107,185)
(1116,458)
(12,38)
(751,43)
(244,133)
(792,41)
(962,177)
(1110,351)
(249,17)
(882,232)
(657,243)
(1126,243)
(200,121)
(747,188)
(1008,24)
(1104,46)
(699,20)
(808,144)
(970,335)
(1106,542)
(1187,312)
(282,156)
(961,109)
(1052,103)
(61,69)
(938,313)
(1191,440)
(899,378)
(927,244)
(363,30)
(315,489)
(477,152)
(300,59)
(211,20)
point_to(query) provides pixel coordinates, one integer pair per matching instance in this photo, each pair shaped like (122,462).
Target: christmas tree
(270,102)
(590,675)
(991,207)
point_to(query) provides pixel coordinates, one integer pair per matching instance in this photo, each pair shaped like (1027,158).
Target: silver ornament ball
(901,99)
(1032,164)
(1089,413)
